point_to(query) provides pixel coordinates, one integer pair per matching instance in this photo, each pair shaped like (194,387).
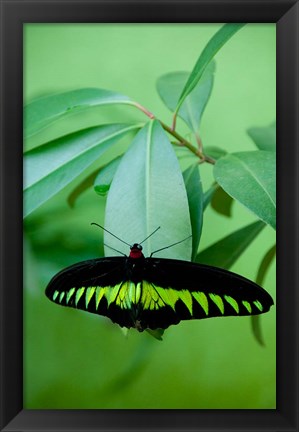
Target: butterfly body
(150,293)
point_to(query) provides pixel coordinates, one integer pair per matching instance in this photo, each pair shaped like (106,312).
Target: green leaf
(210,50)
(131,371)
(265,264)
(43,111)
(262,271)
(99,178)
(250,178)
(157,333)
(226,251)
(50,167)
(215,152)
(264,137)
(195,200)
(257,329)
(81,188)
(105,176)
(208,195)
(148,191)
(222,202)
(170,87)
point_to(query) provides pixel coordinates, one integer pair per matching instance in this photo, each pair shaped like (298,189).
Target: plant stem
(144,110)
(197,151)
(174,122)
(187,144)
(199,142)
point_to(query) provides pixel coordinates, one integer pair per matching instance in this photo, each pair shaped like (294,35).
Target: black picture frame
(13,15)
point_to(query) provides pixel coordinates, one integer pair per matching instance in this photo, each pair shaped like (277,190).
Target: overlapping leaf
(44,111)
(84,185)
(215,152)
(262,271)
(210,50)
(208,195)
(264,137)
(170,86)
(50,167)
(195,200)
(222,202)
(148,191)
(225,252)
(100,179)
(250,178)
(105,176)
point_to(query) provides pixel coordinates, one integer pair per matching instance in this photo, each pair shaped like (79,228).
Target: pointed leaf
(84,185)
(131,370)
(264,137)
(265,264)
(215,152)
(44,111)
(99,178)
(195,200)
(208,195)
(157,333)
(250,178)
(170,87)
(50,167)
(222,202)
(105,176)
(264,267)
(148,191)
(226,251)
(210,50)
(257,329)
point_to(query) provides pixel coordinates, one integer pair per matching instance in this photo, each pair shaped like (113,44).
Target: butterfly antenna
(150,235)
(93,223)
(173,244)
(114,249)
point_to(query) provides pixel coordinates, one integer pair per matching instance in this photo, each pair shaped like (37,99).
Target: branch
(197,151)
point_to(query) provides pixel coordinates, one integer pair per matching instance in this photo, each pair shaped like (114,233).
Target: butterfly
(154,293)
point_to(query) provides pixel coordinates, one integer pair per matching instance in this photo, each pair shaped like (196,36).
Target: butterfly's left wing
(93,286)
(176,290)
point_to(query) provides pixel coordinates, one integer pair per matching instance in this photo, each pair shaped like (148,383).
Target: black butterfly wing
(176,290)
(92,286)
(155,293)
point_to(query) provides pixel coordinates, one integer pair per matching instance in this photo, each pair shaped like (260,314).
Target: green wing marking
(55,295)
(258,305)
(79,294)
(247,305)
(218,302)
(137,299)
(202,300)
(233,303)
(89,294)
(70,294)
(161,293)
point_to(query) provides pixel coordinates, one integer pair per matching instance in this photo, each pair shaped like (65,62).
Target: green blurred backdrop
(74,359)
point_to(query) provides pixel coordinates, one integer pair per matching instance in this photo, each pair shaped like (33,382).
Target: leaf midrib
(246,167)
(147,181)
(80,155)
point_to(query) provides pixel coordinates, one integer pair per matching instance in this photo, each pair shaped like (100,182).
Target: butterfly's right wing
(175,290)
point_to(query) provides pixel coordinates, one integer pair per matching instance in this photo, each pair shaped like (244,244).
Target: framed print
(147,155)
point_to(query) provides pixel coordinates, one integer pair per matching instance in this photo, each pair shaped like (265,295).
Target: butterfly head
(136,251)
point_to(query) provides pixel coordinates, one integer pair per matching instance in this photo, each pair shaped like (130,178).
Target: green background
(74,359)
